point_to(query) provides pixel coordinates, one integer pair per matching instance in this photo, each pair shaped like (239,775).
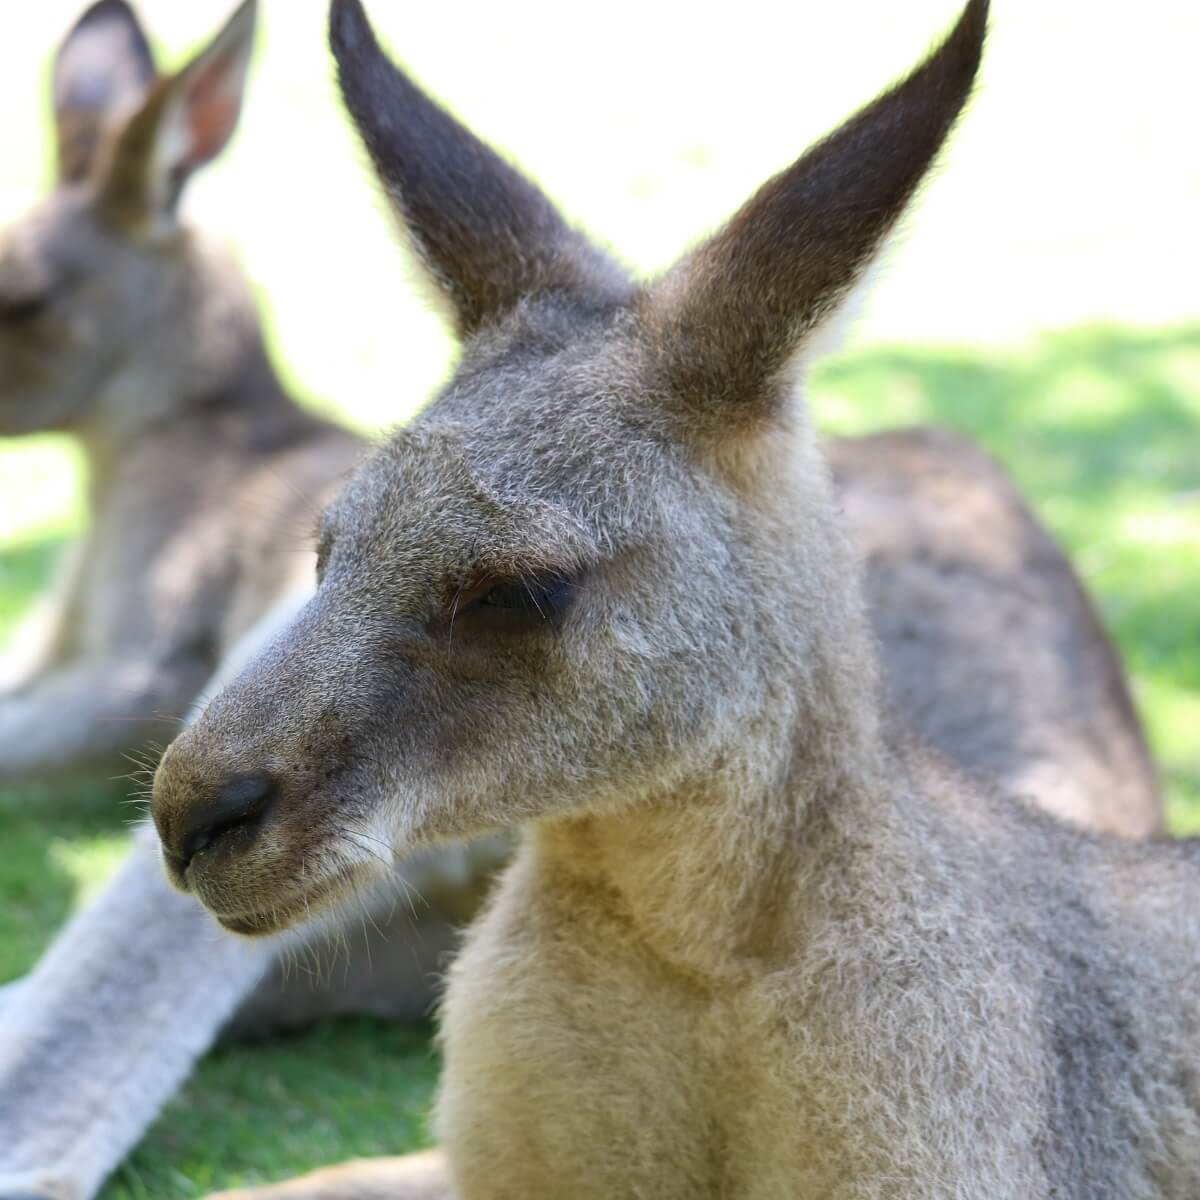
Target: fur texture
(757,941)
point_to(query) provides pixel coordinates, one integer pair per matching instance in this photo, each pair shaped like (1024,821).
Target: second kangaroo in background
(126,327)
(137,334)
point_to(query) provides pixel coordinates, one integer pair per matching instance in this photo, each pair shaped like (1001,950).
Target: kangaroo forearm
(414,1177)
(103,1032)
(42,637)
(88,714)
(30,650)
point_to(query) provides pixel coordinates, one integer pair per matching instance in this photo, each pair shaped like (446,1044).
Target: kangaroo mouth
(275,914)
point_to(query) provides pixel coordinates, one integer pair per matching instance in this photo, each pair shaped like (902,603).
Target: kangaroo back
(989,642)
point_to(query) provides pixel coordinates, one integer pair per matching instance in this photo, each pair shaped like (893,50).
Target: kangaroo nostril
(239,803)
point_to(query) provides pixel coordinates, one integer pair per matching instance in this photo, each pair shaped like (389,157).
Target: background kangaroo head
(602,566)
(108,306)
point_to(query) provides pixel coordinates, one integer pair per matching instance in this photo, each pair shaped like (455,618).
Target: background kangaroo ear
(103,70)
(731,316)
(486,236)
(185,122)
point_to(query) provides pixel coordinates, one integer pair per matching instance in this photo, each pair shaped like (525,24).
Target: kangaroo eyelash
(513,603)
(545,596)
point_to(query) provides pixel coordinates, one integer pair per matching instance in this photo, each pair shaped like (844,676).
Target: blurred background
(1044,297)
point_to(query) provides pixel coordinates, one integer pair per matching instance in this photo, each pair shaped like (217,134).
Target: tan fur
(758,941)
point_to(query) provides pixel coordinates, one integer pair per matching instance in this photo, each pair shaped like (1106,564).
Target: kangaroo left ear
(731,316)
(102,72)
(185,122)
(485,235)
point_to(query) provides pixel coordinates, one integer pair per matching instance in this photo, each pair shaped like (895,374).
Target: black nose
(239,804)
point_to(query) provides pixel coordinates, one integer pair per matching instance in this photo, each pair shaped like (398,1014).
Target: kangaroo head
(103,294)
(602,567)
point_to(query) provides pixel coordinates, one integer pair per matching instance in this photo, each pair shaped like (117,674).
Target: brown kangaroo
(124,326)
(1019,683)
(757,940)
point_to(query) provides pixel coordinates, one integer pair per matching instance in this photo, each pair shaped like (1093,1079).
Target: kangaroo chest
(577,1068)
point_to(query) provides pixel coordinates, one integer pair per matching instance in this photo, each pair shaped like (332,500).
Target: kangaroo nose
(239,804)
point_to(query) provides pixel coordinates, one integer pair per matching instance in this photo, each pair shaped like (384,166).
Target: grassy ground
(1038,222)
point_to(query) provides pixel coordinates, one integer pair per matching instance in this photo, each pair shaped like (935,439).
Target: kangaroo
(127,328)
(79,1084)
(757,940)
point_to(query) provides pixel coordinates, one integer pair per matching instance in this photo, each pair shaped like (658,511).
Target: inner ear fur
(103,70)
(185,121)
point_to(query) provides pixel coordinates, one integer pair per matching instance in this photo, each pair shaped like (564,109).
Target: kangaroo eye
(511,597)
(544,598)
(518,604)
(20,310)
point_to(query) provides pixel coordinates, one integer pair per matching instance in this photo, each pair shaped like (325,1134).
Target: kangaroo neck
(236,405)
(770,827)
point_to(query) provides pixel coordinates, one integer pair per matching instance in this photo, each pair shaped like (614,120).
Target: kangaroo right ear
(103,70)
(485,234)
(731,317)
(185,122)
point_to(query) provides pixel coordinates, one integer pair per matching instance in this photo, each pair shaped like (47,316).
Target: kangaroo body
(202,487)
(759,940)
(772,1077)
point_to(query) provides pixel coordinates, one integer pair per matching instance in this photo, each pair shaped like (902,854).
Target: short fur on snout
(756,942)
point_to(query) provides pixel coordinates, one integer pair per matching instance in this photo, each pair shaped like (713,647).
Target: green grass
(1038,221)
(350,1088)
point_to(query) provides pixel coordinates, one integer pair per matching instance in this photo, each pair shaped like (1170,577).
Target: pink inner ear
(212,109)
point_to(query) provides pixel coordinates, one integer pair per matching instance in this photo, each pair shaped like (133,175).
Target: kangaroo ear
(102,72)
(185,122)
(486,236)
(731,316)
